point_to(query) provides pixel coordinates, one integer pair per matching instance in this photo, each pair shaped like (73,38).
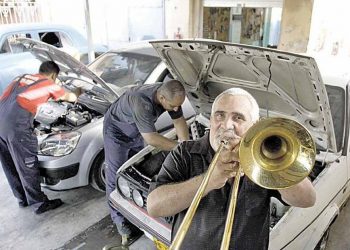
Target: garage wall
(113,23)
(329,32)
(177,14)
(243,3)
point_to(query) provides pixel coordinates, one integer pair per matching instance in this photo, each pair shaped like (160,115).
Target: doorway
(251,26)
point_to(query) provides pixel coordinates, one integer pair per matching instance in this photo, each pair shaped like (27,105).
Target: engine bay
(62,116)
(59,116)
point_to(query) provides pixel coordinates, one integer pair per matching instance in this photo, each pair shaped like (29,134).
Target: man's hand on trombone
(227,164)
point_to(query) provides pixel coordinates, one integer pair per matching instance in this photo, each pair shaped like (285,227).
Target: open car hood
(69,66)
(295,90)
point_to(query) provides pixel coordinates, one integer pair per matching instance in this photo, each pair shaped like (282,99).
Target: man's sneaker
(127,240)
(49,205)
(22,204)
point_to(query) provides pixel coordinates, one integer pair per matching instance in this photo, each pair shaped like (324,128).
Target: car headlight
(60,144)
(123,186)
(137,197)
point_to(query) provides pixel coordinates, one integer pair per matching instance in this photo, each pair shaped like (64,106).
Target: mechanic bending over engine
(18,143)
(233,112)
(128,123)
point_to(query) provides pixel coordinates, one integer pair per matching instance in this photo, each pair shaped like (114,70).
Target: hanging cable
(268,84)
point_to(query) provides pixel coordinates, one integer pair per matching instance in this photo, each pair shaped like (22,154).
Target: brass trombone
(275,153)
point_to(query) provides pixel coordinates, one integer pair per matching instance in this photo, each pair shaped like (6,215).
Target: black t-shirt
(137,107)
(252,216)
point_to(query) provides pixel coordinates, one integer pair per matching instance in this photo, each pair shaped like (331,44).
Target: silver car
(70,135)
(285,85)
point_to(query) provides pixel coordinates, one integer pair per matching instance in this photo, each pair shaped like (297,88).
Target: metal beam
(91,53)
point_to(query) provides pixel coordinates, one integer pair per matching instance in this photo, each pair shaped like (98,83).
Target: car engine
(63,116)
(48,113)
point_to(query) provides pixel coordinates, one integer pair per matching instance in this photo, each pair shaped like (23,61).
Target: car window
(11,45)
(125,68)
(52,38)
(336,97)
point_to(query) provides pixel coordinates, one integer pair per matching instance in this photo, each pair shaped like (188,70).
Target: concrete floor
(339,238)
(83,223)
(102,234)
(22,229)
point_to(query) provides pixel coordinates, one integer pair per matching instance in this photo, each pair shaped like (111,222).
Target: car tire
(322,244)
(97,173)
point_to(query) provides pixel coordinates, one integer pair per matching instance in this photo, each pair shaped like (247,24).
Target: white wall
(177,16)
(113,22)
(329,33)
(63,12)
(244,3)
(146,20)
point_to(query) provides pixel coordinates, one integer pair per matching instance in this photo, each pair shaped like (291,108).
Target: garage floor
(22,229)
(83,223)
(102,234)
(339,238)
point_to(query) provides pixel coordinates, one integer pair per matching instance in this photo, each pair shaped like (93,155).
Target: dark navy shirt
(252,216)
(137,107)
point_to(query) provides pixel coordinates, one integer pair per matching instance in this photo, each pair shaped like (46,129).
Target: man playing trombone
(233,112)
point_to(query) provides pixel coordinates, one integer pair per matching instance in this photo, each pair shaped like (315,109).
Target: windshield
(124,68)
(336,97)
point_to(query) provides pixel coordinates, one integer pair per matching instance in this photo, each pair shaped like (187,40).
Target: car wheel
(97,173)
(322,244)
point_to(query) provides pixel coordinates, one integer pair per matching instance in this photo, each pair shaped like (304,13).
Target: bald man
(129,122)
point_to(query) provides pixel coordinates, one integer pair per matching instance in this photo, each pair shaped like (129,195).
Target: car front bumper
(140,218)
(64,172)
(52,176)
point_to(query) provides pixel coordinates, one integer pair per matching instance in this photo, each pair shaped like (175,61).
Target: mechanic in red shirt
(18,143)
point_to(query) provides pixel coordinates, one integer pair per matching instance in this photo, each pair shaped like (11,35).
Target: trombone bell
(277,153)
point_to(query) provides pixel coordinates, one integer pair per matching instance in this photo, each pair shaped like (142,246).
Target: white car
(15,60)
(285,85)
